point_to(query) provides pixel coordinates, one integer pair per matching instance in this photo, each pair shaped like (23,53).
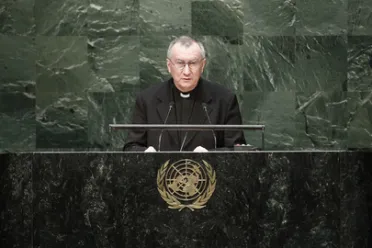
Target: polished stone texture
(69,68)
(293,199)
(229,19)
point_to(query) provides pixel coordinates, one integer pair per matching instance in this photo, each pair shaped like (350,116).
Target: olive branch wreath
(172,201)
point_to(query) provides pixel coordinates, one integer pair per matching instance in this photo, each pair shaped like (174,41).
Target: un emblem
(186,184)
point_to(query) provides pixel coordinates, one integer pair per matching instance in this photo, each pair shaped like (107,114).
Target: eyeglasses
(180,65)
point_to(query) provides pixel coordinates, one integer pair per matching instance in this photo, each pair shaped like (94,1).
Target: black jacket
(152,106)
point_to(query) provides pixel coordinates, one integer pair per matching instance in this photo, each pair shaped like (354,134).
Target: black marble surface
(262,199)
(68,68)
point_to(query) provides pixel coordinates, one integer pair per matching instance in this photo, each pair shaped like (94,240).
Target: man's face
(186,66)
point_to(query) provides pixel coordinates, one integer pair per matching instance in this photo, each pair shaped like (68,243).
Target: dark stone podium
(261,199)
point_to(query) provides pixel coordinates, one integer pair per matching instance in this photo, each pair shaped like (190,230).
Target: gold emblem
(186,184)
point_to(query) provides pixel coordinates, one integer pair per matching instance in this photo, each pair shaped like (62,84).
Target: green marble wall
(68,68)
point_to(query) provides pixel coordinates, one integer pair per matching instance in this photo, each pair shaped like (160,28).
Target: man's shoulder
(217,88)
(153,89)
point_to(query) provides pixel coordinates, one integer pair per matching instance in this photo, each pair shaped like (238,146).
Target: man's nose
(186,69)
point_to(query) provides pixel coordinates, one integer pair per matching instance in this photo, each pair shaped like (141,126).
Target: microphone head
(171,103)
(204,106)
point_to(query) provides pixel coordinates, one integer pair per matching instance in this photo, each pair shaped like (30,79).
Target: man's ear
(168,65)
(203,64)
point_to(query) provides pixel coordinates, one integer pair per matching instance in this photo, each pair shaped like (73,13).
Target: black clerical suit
(152,106)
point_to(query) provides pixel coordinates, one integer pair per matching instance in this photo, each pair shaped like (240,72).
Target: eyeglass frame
(196,63)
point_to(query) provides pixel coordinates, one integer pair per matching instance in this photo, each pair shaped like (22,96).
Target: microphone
(209,120)
(165,122)
(183,141)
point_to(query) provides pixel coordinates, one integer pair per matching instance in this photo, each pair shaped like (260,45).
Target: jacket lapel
(198,114)
(164,96)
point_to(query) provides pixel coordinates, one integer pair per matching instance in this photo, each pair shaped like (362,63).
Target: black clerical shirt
(184,105)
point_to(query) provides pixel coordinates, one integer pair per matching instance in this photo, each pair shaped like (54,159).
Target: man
(186,98)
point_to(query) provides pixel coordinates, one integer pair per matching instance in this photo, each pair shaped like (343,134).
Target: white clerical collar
(183,95)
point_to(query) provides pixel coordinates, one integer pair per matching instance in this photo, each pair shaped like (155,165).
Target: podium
(112,199)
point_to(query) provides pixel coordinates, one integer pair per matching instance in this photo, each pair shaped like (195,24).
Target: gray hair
(185,41)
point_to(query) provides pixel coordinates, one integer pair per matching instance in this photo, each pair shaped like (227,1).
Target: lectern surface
(255,199)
